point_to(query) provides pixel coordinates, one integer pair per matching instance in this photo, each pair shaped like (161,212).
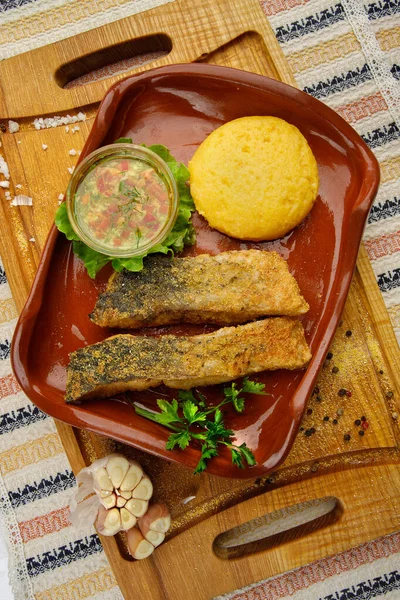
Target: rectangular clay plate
(178,106)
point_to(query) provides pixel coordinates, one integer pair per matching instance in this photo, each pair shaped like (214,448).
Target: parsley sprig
(192,419)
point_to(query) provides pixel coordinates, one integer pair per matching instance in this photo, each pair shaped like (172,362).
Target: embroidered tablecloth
(346,54)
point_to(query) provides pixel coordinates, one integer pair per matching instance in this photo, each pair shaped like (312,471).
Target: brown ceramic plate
(178,106)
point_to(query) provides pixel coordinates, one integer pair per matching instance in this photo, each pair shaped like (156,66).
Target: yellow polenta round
(254,178)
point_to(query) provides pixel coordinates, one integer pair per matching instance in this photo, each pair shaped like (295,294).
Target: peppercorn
(318,398)
(365,424)
(342,392)
(308,432)
(335,370)
(301,428)
(335,421)
(313,430)
(340,411)
(348,333)
(389,394)
(357,422)
(3,127)
(380,372)
(363,418)
(309,411)
(361,432)
(326,418)
(348,394)
(329,356)
(316,390)
(346,437)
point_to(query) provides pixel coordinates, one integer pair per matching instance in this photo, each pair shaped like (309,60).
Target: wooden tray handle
(45,70)
(286,533)
(278,527)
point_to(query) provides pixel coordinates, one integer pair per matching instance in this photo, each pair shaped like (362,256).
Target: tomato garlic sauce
(122,203)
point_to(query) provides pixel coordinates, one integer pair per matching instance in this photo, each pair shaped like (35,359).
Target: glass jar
(122,200)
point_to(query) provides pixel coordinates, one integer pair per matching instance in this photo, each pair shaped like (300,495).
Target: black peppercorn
(329,356)
(335,421)
(357,422)
(342,392)
(326,418)
(361,432)
(309,411)
(335,370)
(346,437)
(348,333)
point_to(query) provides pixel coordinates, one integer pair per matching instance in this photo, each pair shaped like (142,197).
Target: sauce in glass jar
(122,200)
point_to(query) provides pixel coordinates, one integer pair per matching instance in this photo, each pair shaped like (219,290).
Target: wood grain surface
(362,473)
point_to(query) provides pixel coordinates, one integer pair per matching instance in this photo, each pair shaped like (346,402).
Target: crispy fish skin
(232,287)
(126,362)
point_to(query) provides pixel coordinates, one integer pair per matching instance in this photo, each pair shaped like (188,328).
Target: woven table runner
(345,54)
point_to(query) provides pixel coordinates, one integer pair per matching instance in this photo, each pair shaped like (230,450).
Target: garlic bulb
(114,491)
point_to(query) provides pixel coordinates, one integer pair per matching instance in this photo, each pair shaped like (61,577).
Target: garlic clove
(104,493)
(137,507)
(144,490)
(154,537)
(127,495)
(157,518)
(108,521)
(120,502)
(109,501)
(102,479)
(128,520)
(138,547)
(117,467)
(132,477)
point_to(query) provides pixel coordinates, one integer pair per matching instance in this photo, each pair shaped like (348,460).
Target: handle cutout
(278,527)
(112,60)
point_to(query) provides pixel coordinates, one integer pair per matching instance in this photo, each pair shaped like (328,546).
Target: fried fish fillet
(127,362)
(232,287)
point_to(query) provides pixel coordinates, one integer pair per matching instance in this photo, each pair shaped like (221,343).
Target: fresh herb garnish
(191,419)
(182,233)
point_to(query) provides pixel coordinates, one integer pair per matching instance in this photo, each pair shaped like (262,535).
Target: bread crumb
(44,146)
(72,152)
(32,239)
(61,197)
(4,184)
(18,186)
(71,170)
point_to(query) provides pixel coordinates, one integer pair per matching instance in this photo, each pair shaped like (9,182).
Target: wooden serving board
(330,494)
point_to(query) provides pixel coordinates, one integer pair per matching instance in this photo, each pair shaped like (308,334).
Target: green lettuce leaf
(182,234)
